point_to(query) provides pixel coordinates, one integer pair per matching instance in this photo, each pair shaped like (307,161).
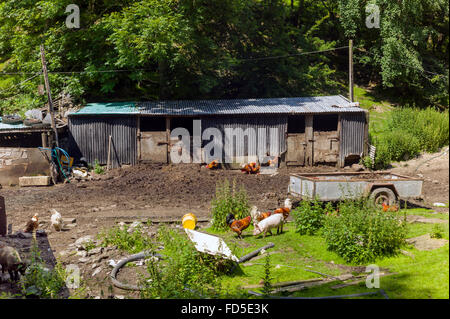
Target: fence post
(2,217)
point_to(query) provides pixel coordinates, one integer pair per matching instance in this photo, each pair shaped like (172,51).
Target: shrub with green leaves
(40,281)
(360,233)
(410,131)
(98,169)
(228,199)
(133,241)
(309,216)
(183,272)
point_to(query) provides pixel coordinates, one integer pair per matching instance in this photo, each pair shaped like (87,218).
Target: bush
(360,233)
(98,169)
(41,282)
(131,241)
(184,272)
(309,216)
(410,131)
(228,200)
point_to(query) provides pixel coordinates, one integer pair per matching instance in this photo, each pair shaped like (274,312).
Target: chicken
(251,168)
(264,216)
(32,224)
(284,210)
(238,225)
(56,220)
(389,208)
(214,164)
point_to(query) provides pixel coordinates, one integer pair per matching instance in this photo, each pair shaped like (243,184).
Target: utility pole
(350,70)
(49,94)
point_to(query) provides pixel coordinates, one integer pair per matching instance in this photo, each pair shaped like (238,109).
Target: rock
(23,235)
(83,259)
(119,297)
(357,167)
(95,251)
(435,182)
(420,175)
(96,271)
(82,253)
(70,226)
(69,220)
(439,205)
(41,233)
(82,242)
(94,266)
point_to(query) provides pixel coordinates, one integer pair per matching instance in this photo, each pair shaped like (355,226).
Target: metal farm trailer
(380,186)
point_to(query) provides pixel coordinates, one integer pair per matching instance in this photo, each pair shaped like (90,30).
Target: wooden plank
(309,136)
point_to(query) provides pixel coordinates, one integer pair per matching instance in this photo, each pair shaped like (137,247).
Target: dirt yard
(158,193)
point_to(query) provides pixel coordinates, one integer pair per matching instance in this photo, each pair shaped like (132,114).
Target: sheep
(10,260)
(268,223)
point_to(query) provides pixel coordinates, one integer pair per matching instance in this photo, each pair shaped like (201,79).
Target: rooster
(388,208)
(264,216)
(251,168)
(214,164)
(284,210)
(56,220)
(238,225)
(32,225)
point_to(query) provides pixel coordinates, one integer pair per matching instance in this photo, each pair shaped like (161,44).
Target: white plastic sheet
(210,244)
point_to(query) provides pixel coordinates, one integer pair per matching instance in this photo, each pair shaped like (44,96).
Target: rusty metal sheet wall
(352,134)
(89,137)
(259,123)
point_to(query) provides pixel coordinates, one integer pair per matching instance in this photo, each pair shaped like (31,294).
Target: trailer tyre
(383,194)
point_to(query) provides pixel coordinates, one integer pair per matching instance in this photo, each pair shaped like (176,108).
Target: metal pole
(49,94)
(2,217)
(350,71)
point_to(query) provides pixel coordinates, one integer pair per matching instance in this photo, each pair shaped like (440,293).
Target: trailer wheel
(383,194)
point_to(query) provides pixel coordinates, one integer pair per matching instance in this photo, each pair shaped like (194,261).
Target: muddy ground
(160,193)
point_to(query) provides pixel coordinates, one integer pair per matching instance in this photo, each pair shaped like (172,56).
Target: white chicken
(56,220)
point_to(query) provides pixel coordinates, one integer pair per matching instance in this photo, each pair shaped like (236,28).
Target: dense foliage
(360,233)
(184,272)
(410,131)
(184,49)
(228,200)
(309,216)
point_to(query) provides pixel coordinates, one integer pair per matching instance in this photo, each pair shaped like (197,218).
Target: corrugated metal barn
(301,131)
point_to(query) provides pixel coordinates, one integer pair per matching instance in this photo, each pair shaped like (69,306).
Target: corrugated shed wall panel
(90,139)
(261,124)
(352,141)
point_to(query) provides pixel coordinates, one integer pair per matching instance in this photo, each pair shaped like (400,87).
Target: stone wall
(17,162)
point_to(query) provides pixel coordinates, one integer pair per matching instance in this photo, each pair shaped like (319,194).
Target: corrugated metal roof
(296,105)
(108,108)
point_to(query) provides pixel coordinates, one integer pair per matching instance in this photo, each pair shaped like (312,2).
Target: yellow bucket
(189,221)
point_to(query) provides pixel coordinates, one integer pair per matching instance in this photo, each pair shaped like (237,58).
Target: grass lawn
(426,275)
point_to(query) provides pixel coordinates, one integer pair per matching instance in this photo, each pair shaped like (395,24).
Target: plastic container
(189,221)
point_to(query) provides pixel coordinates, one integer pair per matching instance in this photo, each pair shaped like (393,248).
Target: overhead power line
(21,83)
(135,70)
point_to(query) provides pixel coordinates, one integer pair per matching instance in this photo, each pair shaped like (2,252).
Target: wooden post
(138,138)
(309,136)
(44,139)
(49,94)
(3,228)
(339,162)
(350,70)
(109,154)
(168,138)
